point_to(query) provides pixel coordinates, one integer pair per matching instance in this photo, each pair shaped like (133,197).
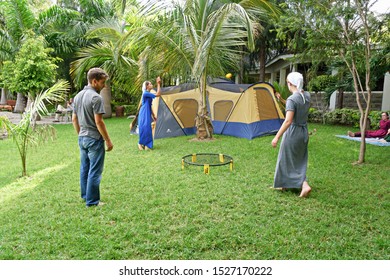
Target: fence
(349,101)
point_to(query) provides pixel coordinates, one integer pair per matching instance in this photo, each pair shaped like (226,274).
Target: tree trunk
(262,58)
(362,151)
(240,74)
(20,103)
(3,100)
(106,95)
(204,126)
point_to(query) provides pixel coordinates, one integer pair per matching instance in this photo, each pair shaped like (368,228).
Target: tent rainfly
(241,110)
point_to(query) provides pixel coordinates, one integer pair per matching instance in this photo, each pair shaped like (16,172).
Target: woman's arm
(280,98)
(158,81)
(286,124)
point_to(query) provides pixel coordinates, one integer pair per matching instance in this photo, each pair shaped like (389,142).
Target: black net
(209,159)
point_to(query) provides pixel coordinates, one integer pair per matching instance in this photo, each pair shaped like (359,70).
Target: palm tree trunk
(106,95)
(204,125)
(262,58)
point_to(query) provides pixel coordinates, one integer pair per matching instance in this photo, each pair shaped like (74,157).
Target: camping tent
(246,111)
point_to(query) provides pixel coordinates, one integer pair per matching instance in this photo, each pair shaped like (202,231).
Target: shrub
(130,109)
(375,117)
(323,83)
(315,115)
(349,117)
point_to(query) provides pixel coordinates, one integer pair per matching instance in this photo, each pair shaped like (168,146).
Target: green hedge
(349,117)
(130,109)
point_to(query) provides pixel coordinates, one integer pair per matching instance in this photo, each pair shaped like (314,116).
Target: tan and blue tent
(240,110)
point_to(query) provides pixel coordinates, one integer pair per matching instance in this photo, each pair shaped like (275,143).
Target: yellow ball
(229,75)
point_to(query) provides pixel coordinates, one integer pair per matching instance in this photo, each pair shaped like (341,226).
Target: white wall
(386,93)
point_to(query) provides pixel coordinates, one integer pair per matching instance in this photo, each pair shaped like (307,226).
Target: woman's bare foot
(351,134)
(140,147)
(278,189)
(306,189)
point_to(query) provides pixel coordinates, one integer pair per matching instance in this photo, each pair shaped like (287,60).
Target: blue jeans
(91,168)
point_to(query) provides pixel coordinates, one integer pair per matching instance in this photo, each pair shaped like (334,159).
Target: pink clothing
(384,126)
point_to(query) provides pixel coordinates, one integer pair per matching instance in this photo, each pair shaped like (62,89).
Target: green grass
(155,210)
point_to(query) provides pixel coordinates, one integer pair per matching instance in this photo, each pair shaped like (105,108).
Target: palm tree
(201,38)
(111,50)
(267,46)
(24,133)
(110,53)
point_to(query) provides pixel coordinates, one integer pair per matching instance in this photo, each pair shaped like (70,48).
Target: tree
(24,134)
(111,52)
(16,18)
(338,31)
(267,45)
(198,39)
(33,69)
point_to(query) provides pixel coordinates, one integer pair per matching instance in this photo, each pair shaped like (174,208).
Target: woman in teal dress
(292,160)
(145,115)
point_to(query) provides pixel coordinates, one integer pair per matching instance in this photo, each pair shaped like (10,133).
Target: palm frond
(18,17)
(55,93)
(106,30)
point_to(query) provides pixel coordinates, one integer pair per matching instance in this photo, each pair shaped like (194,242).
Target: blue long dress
(145,120)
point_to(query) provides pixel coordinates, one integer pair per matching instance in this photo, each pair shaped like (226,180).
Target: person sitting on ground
(384,126)
(62,110)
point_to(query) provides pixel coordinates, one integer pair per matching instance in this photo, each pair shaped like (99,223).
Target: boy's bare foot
(140,147)
(351,134)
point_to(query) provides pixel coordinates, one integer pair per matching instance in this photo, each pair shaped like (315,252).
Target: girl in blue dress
(146,114)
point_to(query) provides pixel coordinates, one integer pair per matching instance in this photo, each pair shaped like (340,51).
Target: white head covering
(296,79)
(144,86)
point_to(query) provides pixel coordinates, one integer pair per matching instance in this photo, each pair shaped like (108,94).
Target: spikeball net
(207,160)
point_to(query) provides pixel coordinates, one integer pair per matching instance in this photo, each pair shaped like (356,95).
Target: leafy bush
(130,109)
(349,117)
(283,90)
(324,83)
(315,115)
(375,117)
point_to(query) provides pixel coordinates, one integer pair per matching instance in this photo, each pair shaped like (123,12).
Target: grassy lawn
(154,210)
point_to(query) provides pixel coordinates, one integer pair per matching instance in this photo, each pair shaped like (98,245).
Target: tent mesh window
(265,103)
(222,109)
(186,110)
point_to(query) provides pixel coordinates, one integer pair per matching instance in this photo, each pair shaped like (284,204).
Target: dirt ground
(16,117)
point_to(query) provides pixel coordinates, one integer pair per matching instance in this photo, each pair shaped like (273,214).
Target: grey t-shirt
(87,103)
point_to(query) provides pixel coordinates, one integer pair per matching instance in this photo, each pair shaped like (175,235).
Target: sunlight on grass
(28,183)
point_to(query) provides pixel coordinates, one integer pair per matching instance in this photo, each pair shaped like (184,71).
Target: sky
(382,6)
